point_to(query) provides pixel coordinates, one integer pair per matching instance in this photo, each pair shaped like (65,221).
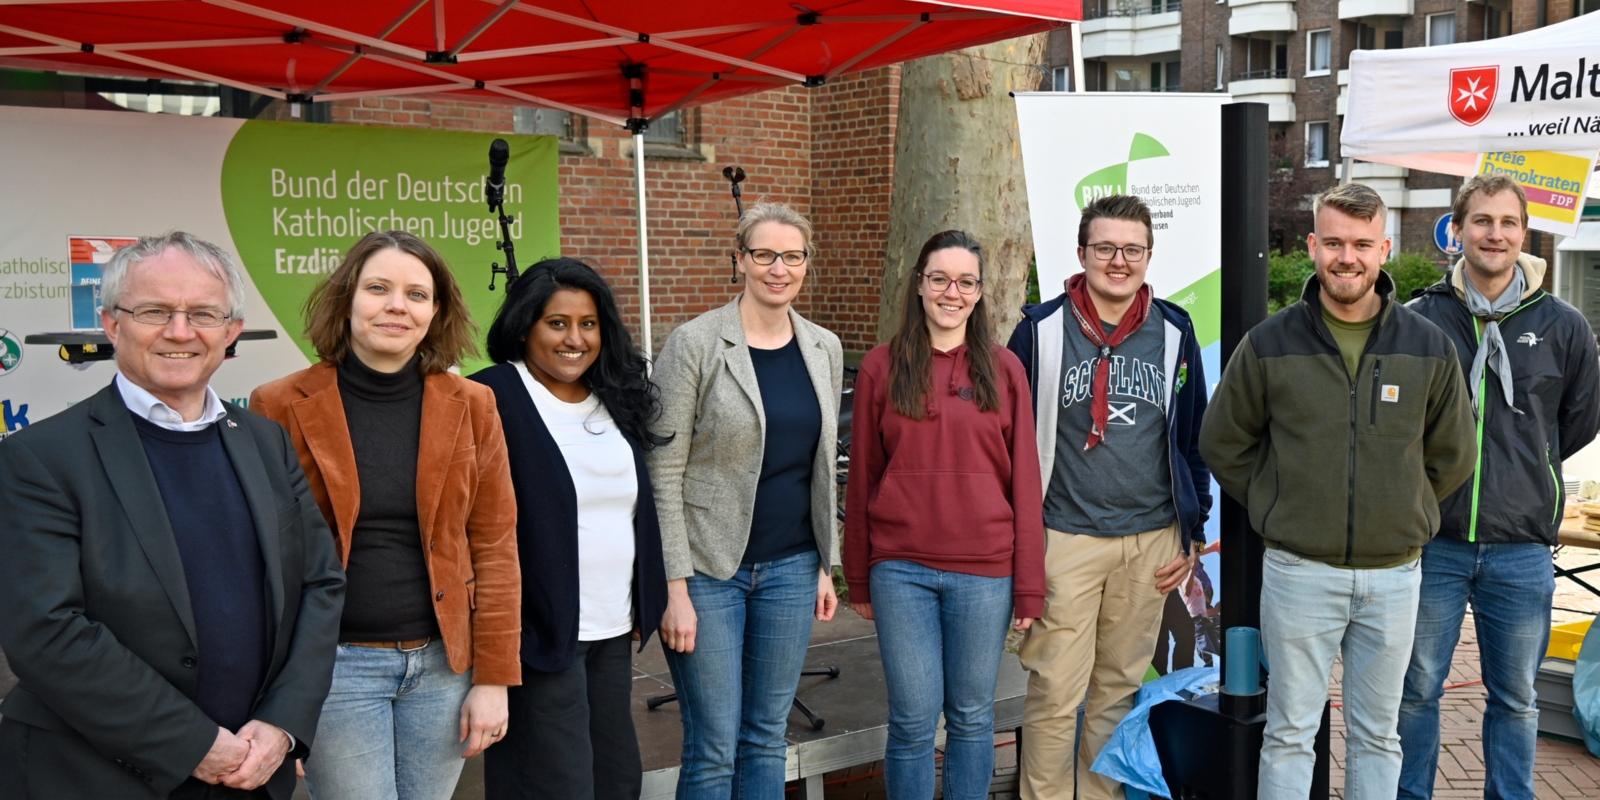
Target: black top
(222,565)
(388,596)
(781,524)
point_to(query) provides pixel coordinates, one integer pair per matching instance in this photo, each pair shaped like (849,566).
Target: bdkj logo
(15,418)
(1472,91)
(10,352)
(1113,179)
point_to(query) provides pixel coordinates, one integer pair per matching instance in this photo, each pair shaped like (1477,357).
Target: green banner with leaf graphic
(297,196)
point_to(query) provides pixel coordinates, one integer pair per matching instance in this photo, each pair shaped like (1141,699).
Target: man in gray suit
(169,594)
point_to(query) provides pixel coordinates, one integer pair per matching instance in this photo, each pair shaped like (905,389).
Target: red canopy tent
(625,61)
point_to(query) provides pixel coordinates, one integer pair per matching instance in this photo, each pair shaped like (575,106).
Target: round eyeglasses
(938,281)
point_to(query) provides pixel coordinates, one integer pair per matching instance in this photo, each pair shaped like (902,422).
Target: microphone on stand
(495,184)
(494,192)
(734,176)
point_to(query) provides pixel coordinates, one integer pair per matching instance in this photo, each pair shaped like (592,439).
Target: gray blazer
(705,478)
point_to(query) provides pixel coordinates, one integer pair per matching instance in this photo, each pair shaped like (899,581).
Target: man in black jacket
(169,594)
(1531,366)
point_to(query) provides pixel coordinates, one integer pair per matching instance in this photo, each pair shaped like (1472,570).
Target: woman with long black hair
(576,402)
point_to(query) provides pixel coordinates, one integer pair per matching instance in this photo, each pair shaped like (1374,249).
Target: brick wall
(828,152)
(852,176)
(1204,25)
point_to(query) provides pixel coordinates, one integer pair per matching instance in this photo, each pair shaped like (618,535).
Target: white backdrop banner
(286,198)
(1166,149)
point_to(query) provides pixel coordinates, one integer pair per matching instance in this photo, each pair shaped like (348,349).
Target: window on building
(668,129)
(1164,76)
(542,122)
(1222,81)
(1128,79)
(1319,52)
(1586,6)
(1372,38)
(182,98)
(1060,79)
(1441,29)
(1316,144)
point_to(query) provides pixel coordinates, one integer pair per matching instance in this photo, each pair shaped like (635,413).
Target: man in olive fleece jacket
(1344,371)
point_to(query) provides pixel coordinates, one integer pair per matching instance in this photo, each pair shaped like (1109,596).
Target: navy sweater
(222,564)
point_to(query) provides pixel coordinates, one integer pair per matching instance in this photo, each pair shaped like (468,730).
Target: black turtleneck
(388,596)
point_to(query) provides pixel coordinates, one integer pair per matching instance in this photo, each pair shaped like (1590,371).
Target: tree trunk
(958,164)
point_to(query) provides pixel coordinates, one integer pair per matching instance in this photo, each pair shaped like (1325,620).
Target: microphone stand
(735,175)
(495,194)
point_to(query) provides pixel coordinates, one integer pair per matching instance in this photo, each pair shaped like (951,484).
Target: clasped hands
(244,760)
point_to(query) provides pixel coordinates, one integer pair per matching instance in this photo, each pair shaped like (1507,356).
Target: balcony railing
(1262,74)
(1127,8)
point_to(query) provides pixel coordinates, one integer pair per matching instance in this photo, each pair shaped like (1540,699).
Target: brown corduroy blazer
(465,505)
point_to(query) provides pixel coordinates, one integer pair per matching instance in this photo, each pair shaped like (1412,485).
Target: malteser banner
(1531,97)
(287,198)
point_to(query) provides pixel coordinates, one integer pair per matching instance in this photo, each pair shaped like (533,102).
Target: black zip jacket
(1515,492)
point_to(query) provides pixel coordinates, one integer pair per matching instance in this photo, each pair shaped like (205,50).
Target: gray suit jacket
(705,478)
(95,614)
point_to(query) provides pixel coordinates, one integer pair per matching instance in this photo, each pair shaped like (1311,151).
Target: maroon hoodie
(957,490)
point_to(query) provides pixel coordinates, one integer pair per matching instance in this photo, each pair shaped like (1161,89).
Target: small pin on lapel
(232,424)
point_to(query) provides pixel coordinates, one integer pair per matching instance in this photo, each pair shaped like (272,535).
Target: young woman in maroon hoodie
(944,536)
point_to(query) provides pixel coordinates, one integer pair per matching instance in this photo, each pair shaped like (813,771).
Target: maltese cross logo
(1472,91)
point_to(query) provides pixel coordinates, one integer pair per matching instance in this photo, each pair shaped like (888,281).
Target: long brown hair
(911,348)
(451,336)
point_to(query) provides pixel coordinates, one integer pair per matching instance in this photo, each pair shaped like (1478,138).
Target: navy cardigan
(547,532)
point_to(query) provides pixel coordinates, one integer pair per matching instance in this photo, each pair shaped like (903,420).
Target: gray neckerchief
(1492,345)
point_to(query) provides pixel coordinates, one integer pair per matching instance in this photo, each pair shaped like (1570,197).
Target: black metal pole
(1244,304)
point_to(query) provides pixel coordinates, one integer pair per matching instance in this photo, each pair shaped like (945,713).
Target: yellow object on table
(1566,639)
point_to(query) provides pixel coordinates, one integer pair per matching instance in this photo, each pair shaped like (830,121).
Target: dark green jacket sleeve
(1449,445)
(1234,431)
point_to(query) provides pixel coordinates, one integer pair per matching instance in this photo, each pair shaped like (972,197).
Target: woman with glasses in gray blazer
(745,491)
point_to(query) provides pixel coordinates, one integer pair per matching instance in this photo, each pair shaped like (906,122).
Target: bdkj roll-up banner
(287,198)
(1166,149)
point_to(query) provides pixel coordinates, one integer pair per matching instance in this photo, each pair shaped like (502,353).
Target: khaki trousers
(1092,646)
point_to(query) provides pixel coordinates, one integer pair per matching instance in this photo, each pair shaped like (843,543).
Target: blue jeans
(1311,612)
(940,635)
(1510,588)
(735,689)
(390,727)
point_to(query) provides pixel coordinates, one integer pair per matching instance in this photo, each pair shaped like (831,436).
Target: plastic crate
(1566,639)
(1554,687)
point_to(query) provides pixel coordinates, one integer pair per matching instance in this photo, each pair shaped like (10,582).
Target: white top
(145,406)
(601,464)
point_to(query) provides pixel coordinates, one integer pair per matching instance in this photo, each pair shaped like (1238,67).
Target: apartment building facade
(1294,57)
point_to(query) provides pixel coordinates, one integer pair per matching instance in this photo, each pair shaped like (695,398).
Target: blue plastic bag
(1130,755)
(1586,689)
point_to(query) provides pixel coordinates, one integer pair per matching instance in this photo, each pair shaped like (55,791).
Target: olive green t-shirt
(1351,337)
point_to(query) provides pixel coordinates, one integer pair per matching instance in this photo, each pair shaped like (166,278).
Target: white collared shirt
(145,406)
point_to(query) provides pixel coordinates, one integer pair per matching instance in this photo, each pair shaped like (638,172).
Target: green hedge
(1287,274)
